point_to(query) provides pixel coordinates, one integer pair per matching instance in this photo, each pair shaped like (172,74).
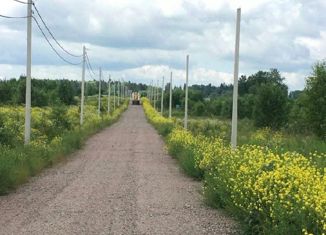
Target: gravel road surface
(121,182)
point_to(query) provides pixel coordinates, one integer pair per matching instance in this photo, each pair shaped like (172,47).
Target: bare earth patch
(121,182)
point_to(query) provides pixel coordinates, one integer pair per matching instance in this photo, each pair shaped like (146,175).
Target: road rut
(121,182)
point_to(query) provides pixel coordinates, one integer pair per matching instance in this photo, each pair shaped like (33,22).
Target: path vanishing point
(121,182)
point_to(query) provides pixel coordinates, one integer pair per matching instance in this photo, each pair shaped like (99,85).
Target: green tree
(316,99)
(270,108)
(298,117)
(66,92)
(199,109)
(92,88)
(226,110)
(246,105)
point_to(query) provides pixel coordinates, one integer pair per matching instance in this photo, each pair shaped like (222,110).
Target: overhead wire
(89,71)
(51,34)
(14,17)
(89,64)
(22,2)
(46,38)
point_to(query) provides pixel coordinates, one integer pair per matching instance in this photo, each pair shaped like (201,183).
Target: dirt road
(121,182)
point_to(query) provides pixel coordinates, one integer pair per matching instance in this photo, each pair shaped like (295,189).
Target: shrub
(188,150)
(163,125)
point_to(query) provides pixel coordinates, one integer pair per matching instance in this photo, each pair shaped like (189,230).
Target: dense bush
(273,193)
(163,125)
(316,99)
(188,150)
(270,108)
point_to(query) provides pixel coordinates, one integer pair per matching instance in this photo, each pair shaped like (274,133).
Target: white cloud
(147,38)
(295,81)
(145,74)
(316,46)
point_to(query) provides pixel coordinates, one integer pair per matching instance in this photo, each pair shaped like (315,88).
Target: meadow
(271,191)
(279,141)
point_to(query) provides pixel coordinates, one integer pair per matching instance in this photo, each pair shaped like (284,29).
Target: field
(271,189)
(279,141)
(55,133)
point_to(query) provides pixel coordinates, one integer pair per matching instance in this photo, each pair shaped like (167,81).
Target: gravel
(121,182)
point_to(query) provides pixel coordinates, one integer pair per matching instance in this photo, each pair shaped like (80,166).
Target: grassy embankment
(270,191)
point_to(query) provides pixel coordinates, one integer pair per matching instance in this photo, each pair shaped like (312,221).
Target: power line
(22,2)
(14,17)
(47,28)
(89,64)
(89,71)
(38,25)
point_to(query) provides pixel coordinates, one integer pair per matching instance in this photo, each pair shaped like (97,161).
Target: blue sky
(141,40)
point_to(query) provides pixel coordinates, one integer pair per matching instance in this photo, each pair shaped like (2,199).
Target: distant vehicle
(135,97)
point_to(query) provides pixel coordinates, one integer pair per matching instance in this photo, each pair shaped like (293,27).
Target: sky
(141,40)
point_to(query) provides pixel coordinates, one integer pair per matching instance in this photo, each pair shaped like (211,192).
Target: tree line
(263,98)
(53,92)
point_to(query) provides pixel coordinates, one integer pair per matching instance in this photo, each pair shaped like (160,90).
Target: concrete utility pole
(154,93)
(122,87)
(82,96)
(170,101)
(162,97)
(121,91)
(109,94)
(186,94)
(235,84)
(114,84)
(148,93)
(118,90)
(28,74)
(157,91)
(99,92)
(124,90)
